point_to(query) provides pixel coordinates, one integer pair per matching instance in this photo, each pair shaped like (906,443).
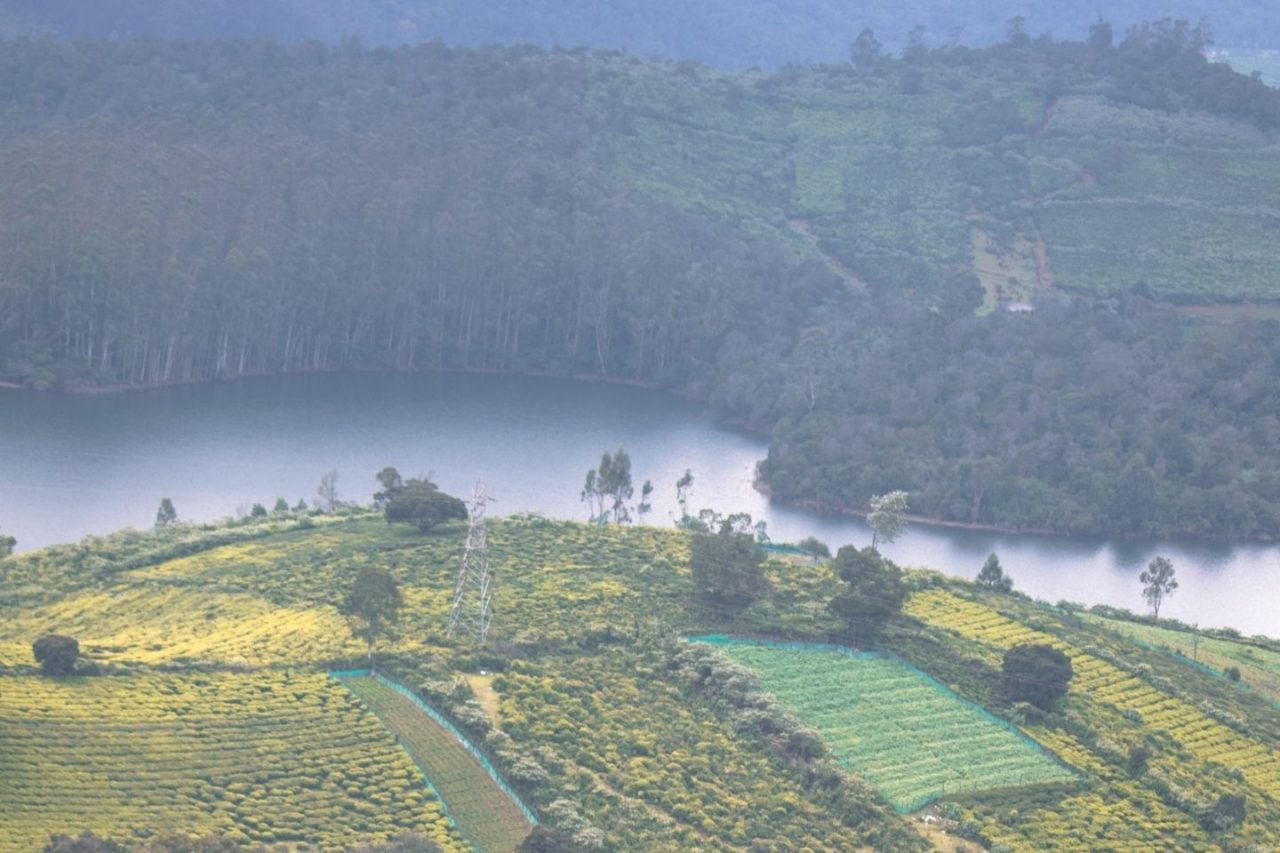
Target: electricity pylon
(472,609)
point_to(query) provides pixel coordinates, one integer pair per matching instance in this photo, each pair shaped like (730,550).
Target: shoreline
(688,392)
(929,521)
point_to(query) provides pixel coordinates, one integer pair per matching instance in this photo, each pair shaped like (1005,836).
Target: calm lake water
(73,465)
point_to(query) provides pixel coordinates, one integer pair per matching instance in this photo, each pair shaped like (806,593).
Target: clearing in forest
(491,819)
(908,736)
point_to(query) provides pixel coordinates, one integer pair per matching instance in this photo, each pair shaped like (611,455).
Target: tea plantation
(211,711)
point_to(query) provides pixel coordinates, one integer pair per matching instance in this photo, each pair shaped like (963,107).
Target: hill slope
(818,253)
(611,726)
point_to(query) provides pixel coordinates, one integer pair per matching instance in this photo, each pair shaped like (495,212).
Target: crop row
(271,757)
(481,809)
(661,770)
(906,735)
(147,623)
(1102,681)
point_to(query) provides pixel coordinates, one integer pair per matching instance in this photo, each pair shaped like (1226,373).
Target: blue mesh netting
(451,729)
(726,640)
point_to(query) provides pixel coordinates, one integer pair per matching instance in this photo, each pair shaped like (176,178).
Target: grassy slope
(587,614)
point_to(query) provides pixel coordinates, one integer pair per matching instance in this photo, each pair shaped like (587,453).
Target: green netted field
(909,737)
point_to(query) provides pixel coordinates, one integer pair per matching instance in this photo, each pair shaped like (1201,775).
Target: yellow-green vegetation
(606,725)
(909,737)
(275,756)
(1259,666)
(660,771)
(1197,750)
(147,622)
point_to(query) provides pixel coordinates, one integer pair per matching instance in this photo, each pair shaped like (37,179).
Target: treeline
(181,212)
(189,211)
(724,33)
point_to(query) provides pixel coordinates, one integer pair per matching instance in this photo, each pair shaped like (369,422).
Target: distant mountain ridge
(722,33)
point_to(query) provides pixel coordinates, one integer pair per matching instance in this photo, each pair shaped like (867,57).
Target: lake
(71,465)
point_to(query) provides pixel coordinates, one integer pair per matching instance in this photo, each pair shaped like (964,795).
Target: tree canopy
(992,575)
(57,654)
(373,605)
(420,502)
(1035,673)
(728,568)
(873,592)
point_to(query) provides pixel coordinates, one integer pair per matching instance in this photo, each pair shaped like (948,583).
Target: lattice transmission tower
(472,609)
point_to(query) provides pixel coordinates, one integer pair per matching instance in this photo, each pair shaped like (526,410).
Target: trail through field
(482,810)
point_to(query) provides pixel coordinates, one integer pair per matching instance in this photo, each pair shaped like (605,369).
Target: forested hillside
(726,33)
(821,253)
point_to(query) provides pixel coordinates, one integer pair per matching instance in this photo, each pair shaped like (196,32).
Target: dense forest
(726,33)
(824,253)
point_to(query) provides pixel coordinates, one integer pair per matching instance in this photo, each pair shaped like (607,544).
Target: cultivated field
(270,757)
(1196,749)
(1259,667)
(488,817)
(912,739)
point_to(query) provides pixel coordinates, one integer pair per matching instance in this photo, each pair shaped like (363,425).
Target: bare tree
(327,492)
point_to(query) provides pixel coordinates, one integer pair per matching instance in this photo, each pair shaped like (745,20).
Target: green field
(491,821)
(277,756)
(1259,667)
(912,739)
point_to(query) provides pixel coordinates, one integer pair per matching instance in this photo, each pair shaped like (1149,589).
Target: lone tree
(1035,673)
(684,487)
(993,577)
(7,544)
(1158,583)
(56,654)
(645,506)
(728,567)
(327,492)
(874,591)
(888,517)
(422,503)
(372,605)
(166,514)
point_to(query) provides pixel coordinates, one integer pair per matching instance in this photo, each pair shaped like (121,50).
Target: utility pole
(472,609)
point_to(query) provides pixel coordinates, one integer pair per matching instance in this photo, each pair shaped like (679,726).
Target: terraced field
(491,821)
(1201,735)
(271,757)
(1259,667)
(911,738)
